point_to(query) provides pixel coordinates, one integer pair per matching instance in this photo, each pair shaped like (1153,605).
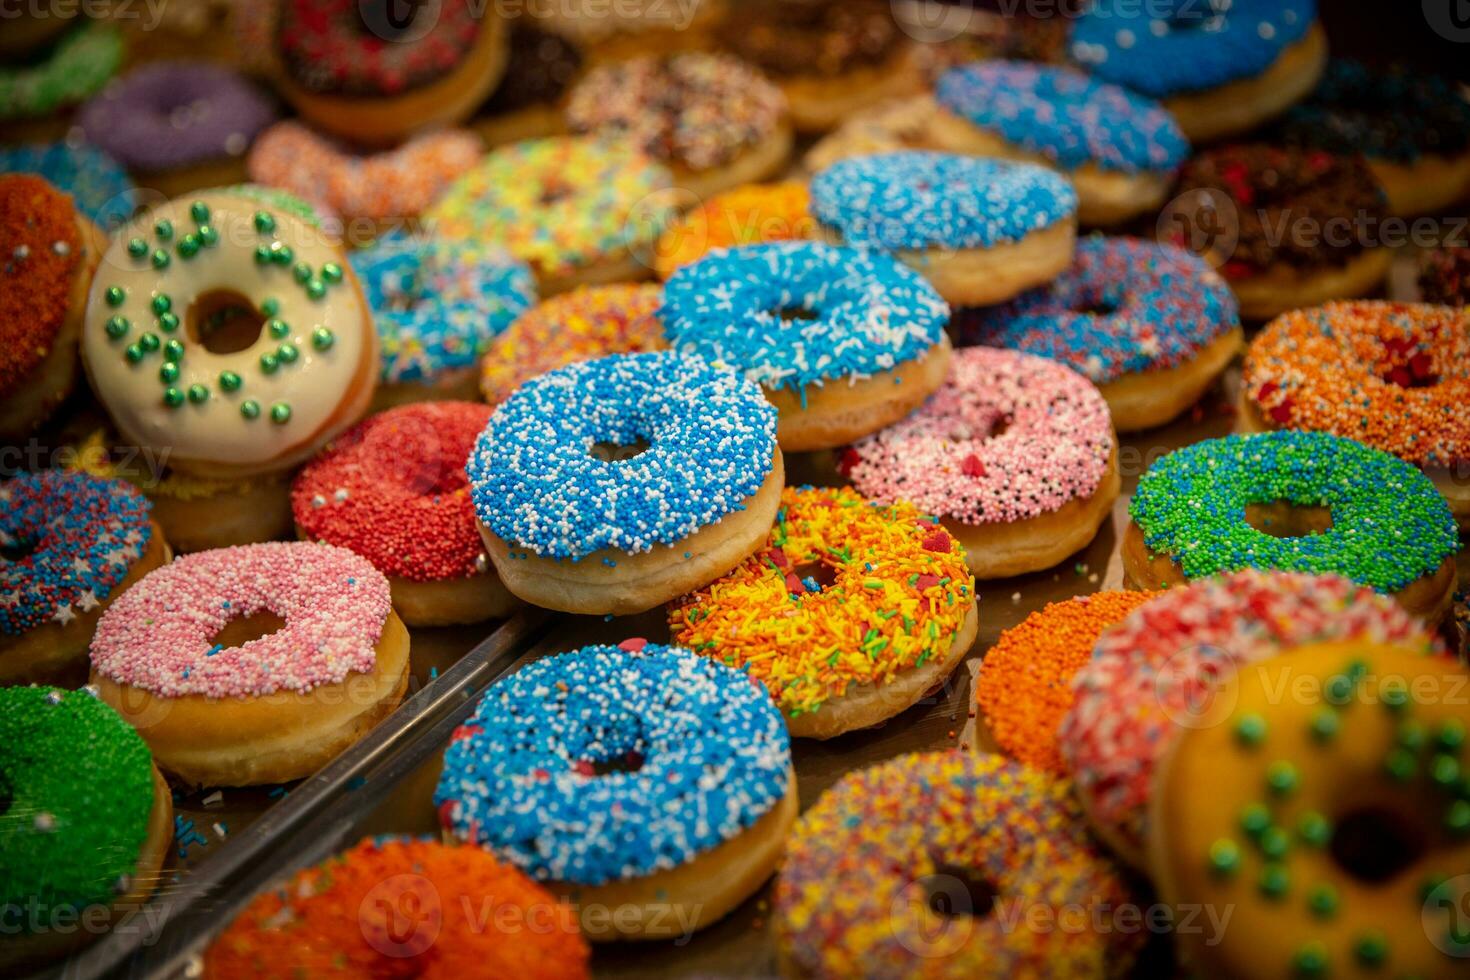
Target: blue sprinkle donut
(98,184)
(1126,307)
(1390,528)
(611,764)
(438,304)
(922,205)
(561,473)
(795,316)
(81,537)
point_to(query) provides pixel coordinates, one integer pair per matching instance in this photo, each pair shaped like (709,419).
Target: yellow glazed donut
(227,329)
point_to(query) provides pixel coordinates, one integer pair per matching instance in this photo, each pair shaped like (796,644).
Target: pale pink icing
(159,634)
(1055,446)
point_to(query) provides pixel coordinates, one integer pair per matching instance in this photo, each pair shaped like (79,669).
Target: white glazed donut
(226,329)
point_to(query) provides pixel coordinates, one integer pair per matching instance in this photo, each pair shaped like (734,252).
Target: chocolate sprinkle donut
(788,38)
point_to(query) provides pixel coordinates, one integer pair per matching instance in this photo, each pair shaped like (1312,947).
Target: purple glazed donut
(174,114)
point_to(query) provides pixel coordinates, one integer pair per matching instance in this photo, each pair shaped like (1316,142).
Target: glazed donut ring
(218,709)
(1333,820)
(306,376)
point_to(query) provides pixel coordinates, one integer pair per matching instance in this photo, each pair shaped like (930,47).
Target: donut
(831,59)
(405,906)
(88,827)
(229,330)
(195,513)
(436,305)
(577,210)
(1014,454)
(1119,150)
(655,822)
(178,125)
(1444,275)
(381,188)
(920,866)
(367,73)
(1287,228)
(842,342)
(903,123)
(393,489)
(1151,677)
(583,325)
(1332,821)
(1219,68)
(72,543)
(1413,128)
(253,665)
(99,187)
(527,102)
(74,69)
(612,486)
(1151,325)
(748,215)
(1297,502)
(1024,687)
(611,32)
(850,614)
(1395,376)
(714,121)
(49,253)
(980,230)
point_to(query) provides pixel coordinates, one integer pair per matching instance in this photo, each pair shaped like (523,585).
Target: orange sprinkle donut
(397,183)
(747,215)
(398,907)
(583,325)
(1395,376)
(1024,689)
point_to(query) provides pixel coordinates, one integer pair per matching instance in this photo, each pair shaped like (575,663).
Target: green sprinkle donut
(1390,526)
(82,62)
(76,800)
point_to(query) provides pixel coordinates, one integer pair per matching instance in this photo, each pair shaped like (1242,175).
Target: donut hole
(998,427)
(18,549)
(953,892)
(1284,519)
(223,321)
(814,577)
(7,796)
(794,314)
(1376,844)
(250,626)
(628,762)
(613,451)
(554,193)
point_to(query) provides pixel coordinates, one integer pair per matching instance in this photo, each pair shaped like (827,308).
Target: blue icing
(97,183)
(84,534)
(1168,47)
(920,200)
(1065,116)
(1125,306)
(868,312)
(437,304)
(704,751)
(536,485)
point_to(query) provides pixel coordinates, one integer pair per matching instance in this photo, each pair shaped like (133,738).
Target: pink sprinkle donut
(397,183)
(159,635)
(1008,439)
(1156,671)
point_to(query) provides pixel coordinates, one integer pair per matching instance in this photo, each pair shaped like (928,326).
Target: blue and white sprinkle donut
(437,305)
(611,764)
(1064,116)
(98,184)
(536,486)
(1174,47)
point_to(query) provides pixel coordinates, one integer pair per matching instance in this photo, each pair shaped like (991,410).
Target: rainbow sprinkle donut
(98,185)
(1058,449)
(1152,675)
(747,215)
(436,305)
(1126,309)
(80,64)
(897,615)
(1344,509)
(582,325)
(867,863)
(686,756)
(573,208)
(1395,376)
